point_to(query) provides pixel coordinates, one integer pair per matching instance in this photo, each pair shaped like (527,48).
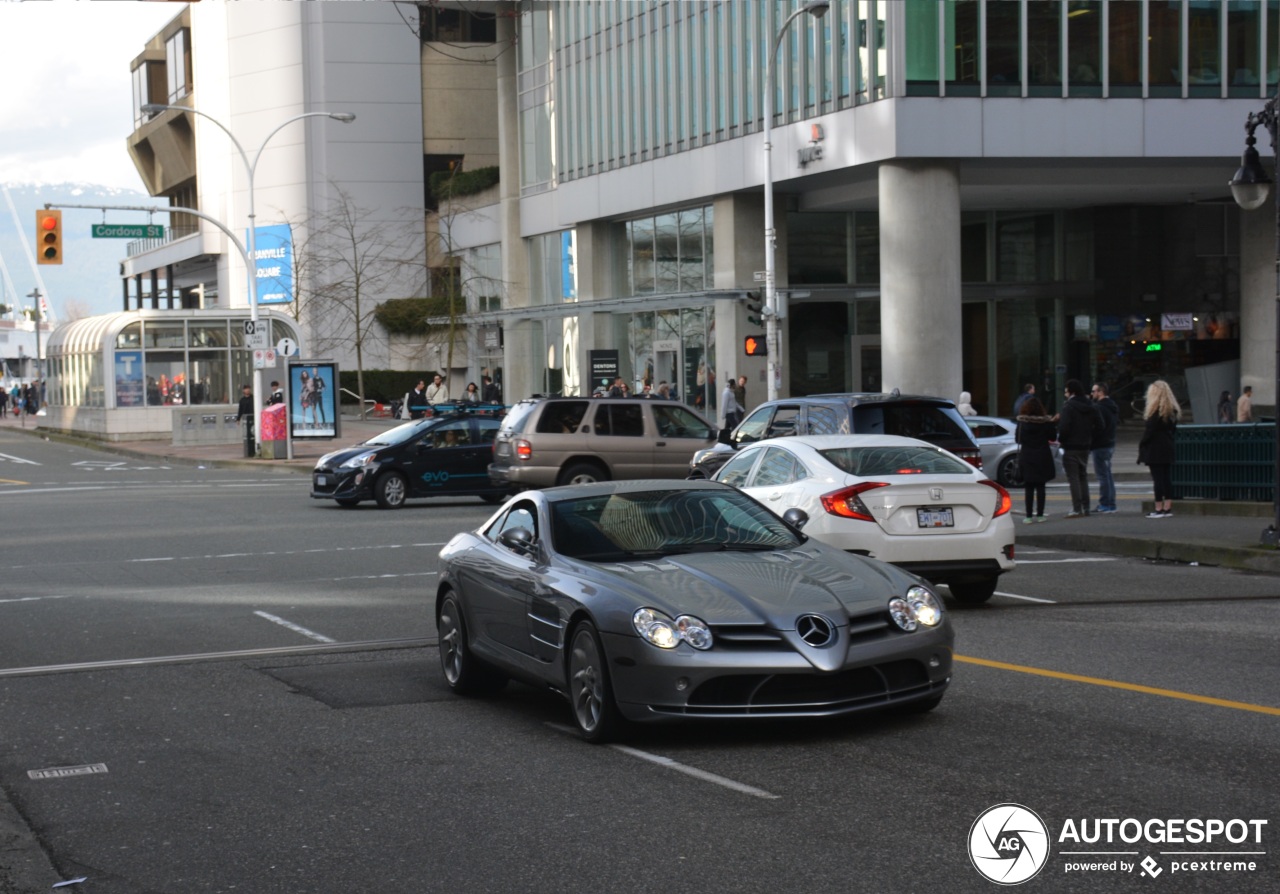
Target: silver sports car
(660,600)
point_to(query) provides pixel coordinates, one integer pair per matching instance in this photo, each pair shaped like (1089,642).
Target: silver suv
(575,440)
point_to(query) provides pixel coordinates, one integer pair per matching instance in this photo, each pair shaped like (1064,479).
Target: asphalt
(1205,532)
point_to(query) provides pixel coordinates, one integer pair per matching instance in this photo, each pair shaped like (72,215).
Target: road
(246,683)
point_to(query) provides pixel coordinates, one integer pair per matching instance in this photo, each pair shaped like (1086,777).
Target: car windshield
(875,462)
(652,524)
(399,434)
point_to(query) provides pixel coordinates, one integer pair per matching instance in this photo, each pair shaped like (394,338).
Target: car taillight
(1003,501)
(972,457)
(524,449)
(847,502)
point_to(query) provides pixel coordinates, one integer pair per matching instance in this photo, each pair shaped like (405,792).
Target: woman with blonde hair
(1155,449)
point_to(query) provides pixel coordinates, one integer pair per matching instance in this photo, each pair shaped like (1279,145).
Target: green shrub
(450,184)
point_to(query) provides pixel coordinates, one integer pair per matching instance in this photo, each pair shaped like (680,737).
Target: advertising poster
(313,401)
(129,391)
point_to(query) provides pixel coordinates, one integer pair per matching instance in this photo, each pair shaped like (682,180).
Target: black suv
(932,419)
(445,455)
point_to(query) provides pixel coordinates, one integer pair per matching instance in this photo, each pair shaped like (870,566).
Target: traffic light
(755,308)
(755,346)
(48,237)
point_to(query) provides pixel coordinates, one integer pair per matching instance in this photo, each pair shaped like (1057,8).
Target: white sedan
(900,500)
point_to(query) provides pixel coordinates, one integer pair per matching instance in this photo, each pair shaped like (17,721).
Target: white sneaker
(1156,514)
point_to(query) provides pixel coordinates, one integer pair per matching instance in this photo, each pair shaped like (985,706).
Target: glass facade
(669,253)
(154,361)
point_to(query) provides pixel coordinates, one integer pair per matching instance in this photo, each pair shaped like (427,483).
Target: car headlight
(665,633)
(918,607)
(360,460)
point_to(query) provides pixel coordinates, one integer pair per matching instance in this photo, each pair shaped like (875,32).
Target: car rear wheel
(582,473)
(1009,472)
(465,674)
(590,690)
(391,491)
(973,592)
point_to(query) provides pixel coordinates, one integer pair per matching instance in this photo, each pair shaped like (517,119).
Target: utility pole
(35,295)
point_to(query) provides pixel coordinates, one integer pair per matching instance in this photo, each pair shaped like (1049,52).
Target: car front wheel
(973,592)
(465,674)
(590,690)
(391,491)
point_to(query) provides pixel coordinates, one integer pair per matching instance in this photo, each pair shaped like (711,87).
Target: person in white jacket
(965,406)
(730,410)
(437,391)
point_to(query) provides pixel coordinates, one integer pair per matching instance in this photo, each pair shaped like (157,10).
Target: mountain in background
(87,282)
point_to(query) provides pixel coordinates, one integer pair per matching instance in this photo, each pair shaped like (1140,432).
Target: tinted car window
(777,467)
(736,470)
(823,421)
(986,430)
(520,515)
(677,422)
(626,420)
(753,427)
(784,422)
(923,421)
(869,462)
(451,434)
(561,417)
(518,417)
(488,430)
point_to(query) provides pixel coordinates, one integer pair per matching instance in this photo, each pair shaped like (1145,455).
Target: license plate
(321,481)
(935,518)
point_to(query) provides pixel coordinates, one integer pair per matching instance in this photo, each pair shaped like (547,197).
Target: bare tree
(356,261)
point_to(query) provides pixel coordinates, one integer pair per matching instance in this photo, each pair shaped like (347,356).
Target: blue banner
(129,379)
(274,262)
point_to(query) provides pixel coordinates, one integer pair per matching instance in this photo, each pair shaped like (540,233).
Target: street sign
(286,347)
(128,231)
(255,333)
(264,359)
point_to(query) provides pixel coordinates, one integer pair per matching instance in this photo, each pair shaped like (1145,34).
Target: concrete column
(920,278)
(739,240)
(523,373)
(1258,307)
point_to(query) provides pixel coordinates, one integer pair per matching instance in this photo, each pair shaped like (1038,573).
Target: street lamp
(817,9)
(251,168)
(1249,187)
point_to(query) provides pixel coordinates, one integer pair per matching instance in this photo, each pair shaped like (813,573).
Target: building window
(482,278)
(670,252)
(552,268)
(1084,47)
(177,60)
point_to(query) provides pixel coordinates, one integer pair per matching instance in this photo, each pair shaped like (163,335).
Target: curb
(1226,555)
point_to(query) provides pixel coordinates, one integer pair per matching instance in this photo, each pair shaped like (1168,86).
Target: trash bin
(274,420)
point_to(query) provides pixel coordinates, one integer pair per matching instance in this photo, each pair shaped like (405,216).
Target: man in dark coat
(1076,423)
(1104,447)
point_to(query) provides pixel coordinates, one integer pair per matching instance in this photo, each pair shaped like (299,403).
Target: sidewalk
(1205,532)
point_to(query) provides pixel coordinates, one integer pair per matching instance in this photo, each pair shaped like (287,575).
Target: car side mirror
(796,518)
(518,540)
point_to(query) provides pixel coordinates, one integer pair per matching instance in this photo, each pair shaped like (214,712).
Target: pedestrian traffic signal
(755,346)
(48,237)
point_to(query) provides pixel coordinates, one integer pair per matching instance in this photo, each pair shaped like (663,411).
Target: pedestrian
(4,403)
(472,394)
(1035,434)
(491,393)
(415,401)
(730,410)
(1103,446)
(277,394)
(1028,391)
(740,394)
(437,391)
(244,410)
(1226,409)
(966,404)
(1155,450)
(1244,406)
(1076,422)
(619,388)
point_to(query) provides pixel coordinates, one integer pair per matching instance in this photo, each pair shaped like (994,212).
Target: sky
(67,111)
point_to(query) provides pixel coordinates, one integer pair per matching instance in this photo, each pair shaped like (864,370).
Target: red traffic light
(755,346)
(48,237)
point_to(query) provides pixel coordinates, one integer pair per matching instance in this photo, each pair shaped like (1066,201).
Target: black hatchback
(443,456)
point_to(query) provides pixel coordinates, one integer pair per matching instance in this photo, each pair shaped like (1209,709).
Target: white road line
(670,764)
(32,598)
(1028,598)
(1065,561)
(19,460)
(318,637)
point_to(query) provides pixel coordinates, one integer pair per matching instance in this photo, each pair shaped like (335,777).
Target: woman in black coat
(1036,434)
(1156,447)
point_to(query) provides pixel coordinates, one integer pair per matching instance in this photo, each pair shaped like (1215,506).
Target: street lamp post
(1249,187)
(817,9)
(250,169)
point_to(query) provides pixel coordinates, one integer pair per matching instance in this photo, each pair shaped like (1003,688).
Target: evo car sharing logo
(1008,844)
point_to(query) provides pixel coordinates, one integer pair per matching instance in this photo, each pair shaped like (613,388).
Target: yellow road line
(12,481)
(1116,684)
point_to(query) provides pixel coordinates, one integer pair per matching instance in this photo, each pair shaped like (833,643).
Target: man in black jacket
(1104,447)
(1076,423)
